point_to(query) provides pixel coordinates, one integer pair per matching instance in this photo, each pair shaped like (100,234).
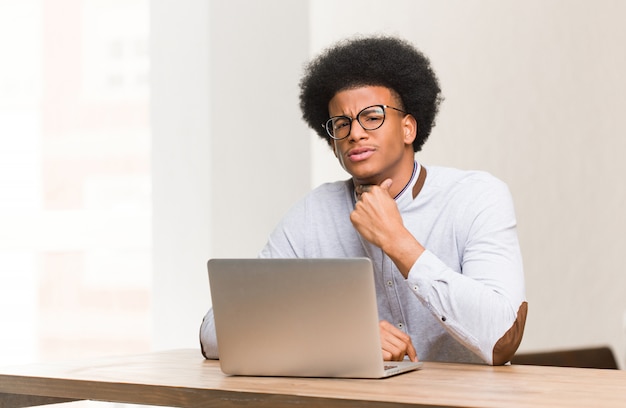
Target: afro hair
(371,61)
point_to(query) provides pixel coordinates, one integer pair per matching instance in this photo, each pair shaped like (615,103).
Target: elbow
(507,345)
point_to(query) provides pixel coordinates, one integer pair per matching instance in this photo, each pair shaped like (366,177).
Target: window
(75,184)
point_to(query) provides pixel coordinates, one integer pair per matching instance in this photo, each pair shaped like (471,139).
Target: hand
(377,218)
(395,343)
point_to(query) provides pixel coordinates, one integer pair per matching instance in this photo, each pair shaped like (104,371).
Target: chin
(361,175)
(366,179)
(363,172)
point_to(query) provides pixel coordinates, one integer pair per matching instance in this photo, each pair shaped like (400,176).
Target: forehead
(350,101)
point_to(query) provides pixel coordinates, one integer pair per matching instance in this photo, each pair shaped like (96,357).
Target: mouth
(360,153)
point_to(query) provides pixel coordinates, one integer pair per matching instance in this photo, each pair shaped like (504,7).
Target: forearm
(208,339)
(486,313)
(404,250)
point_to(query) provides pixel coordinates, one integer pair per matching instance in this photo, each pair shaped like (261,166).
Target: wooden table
(183,378)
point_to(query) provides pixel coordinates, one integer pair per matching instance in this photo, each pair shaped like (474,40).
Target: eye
(372,116)
(339,123)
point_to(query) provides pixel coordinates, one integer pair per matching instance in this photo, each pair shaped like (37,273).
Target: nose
(357,132)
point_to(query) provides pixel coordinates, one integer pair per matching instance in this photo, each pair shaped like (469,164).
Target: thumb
(386,184)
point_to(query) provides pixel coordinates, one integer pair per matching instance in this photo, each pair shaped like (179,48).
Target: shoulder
(472,199)
(334,188)
(328,195)
(448,175)
(319,211)
(452,179)
(466,190)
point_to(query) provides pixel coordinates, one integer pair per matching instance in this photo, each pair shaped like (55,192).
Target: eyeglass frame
(325,125)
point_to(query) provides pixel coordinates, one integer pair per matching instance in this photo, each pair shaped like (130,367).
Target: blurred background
(140,138)
(75,178)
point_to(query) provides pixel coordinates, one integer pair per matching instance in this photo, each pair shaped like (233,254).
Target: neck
(400,181)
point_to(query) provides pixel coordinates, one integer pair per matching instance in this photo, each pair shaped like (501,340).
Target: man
(448,268)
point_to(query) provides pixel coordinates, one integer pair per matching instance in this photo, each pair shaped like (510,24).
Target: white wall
(230,154)
(533,94)
(180,121)
(259,146)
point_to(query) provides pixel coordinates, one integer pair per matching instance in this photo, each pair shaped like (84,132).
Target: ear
(409,127)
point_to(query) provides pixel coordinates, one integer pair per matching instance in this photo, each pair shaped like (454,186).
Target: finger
(362,188)
(394,351)
(399,343)
(386,184)
(395,343)
(390,350)
(393,330)
(411,352)
(387,356)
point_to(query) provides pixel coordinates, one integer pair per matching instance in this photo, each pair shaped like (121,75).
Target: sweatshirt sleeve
(208,339)
(484,306)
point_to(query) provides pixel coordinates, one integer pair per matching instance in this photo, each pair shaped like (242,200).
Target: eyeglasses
(370,118)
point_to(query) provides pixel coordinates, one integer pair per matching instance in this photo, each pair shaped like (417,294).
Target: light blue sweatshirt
(464,298)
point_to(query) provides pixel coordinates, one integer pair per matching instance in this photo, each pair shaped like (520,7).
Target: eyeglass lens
(370,118)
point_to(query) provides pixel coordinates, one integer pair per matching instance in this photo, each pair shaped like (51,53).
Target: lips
(360,153)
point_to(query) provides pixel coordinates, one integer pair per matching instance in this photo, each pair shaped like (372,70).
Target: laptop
(298,318)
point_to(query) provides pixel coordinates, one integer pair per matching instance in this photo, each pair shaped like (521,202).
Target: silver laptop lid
(296,317)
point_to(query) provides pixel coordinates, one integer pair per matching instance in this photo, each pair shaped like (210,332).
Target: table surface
(183,378)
